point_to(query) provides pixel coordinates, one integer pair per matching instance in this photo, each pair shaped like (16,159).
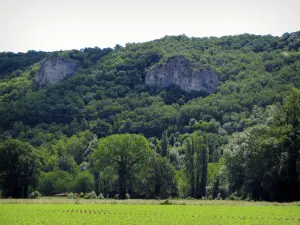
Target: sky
(51,25)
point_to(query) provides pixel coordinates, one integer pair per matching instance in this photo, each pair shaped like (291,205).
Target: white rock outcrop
(54,70)
(179,71)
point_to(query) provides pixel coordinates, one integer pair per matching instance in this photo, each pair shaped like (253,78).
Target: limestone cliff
(179,71)
(54,70)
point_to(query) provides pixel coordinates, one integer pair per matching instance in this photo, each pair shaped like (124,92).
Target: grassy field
(146,212)
(64,200)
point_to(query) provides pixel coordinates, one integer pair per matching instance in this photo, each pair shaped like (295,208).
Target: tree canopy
(104,130)
(20,165)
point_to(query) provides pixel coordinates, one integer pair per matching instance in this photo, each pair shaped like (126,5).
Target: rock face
(54,70)
(179,71)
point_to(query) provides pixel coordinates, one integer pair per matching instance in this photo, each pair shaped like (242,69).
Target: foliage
(160,179)
(100,196)
(126,154)
(242,139)
(55,182)
(19,168)
(92,195)
(17,62)
(34,194)
(70,196)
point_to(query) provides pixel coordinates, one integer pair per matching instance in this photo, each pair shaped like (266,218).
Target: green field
(147,214)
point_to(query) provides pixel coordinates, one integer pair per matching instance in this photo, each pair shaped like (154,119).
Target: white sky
(67,24)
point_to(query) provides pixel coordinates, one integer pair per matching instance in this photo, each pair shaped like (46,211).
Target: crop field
(147,214)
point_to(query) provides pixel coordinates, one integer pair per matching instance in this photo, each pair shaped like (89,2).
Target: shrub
(70,196)
(190,198)
(86,196)
(81,194)
(248,198)
(100,196)
(34,194)
(218,197)
(234,196)
(210,197)
(116,196)
(92,195)
(127,196)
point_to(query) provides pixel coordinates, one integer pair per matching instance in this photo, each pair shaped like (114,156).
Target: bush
(218,197)
(166,202)
(86,196)
(234,196)
(70,196)
(34,194)
(190,198)
(81,195)
(127,196)
(92,195)
(116,196)
(248,198)
(210,197)
(100,196)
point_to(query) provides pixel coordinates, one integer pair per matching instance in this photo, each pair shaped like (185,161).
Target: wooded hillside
(104,130)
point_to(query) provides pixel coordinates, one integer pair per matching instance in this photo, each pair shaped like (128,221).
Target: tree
(204,166)
(161,178)
(55,182)
(189,160)
(84,182)
(67,163)
(101,128)
(164,144)
(198,167)
(256,163)
(124,152)
(196,159)
(19,168)
(201,166)
(292,111)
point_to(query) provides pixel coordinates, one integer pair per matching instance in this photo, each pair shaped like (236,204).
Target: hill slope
(108,95)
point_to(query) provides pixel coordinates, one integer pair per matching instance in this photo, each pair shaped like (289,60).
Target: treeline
(11,62)
(260,163)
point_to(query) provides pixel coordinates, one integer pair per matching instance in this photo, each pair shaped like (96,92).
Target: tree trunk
(157,190)
(164,144)
(16,193)
(25,191)
(204,172)
(198,173)
(122,181)
(190,166)
(292,181)
(198,189)
(192,179)
(97,182)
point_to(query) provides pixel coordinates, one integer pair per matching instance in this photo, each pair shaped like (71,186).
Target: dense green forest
(105,130)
